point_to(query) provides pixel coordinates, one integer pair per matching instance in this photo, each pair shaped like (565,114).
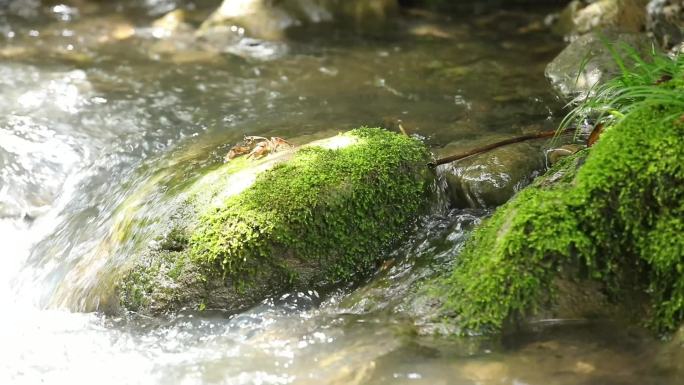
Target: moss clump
(322,217)
(619,218)
(337,208)
(151,283)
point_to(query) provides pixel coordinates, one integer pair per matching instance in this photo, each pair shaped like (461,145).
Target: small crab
(257,146)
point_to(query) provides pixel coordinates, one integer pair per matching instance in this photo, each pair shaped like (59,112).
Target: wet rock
(256,18)
(492,178)
(269,20)
(620,15)
(585,62)
(396,288)
(665,21)
(121,32)
(582,367)
(573,300)
(676,50)
(580,17)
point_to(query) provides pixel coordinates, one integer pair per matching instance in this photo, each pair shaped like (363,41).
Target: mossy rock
(299,220)
(612,215)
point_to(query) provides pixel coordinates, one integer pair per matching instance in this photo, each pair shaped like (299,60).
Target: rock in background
(591,27)
(587,61)
(665,21)
(267,19)
(581,17)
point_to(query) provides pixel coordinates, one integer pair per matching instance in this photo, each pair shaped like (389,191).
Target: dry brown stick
(489,147)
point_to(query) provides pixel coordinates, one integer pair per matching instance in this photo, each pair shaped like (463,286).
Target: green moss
(134,289)
(161,280)
(321,217)
(334,208)
(620,213)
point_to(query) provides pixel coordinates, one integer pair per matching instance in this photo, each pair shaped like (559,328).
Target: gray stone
(619,15)
(676,50)
(564,25)
(587,61)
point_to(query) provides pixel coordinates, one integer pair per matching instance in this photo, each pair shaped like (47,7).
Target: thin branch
(489,147)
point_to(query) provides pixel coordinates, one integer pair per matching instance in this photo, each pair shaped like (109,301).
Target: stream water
(91,109)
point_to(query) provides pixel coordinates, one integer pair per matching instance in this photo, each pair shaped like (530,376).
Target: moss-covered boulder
(298,220)
(612,215)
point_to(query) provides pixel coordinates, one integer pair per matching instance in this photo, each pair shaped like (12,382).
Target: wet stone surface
(490,179)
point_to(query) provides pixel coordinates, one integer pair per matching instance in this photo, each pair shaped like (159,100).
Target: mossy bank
(303,220)
(611,216)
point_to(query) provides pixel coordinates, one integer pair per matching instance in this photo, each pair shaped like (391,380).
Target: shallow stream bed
(94,105)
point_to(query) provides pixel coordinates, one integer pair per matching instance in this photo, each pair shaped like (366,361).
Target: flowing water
(95,105)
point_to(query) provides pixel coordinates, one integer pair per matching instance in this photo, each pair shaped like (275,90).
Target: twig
(489,147)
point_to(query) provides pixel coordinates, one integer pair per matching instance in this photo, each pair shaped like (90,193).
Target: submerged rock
(492,178)
(294,220)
